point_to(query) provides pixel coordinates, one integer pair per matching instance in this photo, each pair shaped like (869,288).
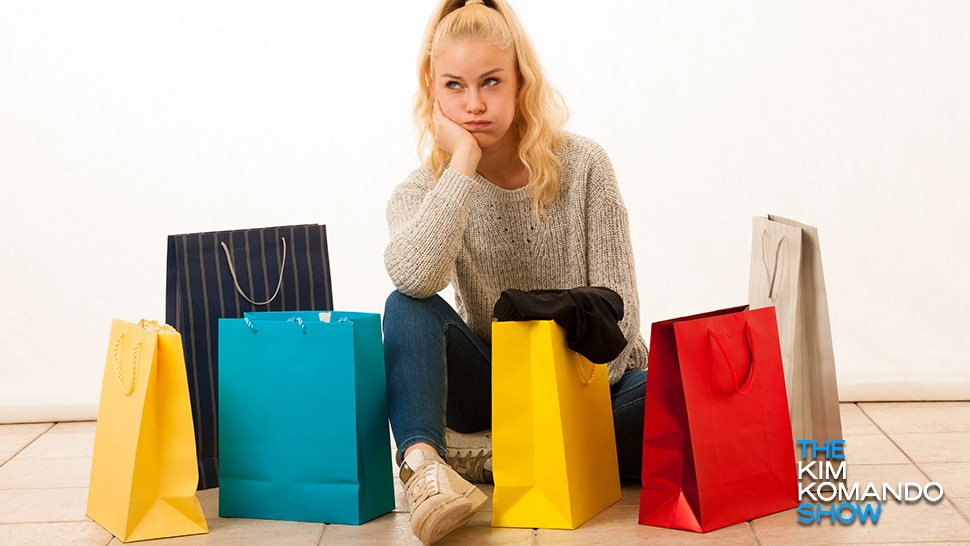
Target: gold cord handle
(585,368)
(134,364)
(235,280)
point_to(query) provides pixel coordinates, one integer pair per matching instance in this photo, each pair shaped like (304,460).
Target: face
(475,84)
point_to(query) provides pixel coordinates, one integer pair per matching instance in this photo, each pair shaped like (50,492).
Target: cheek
(508,106)
(449,105)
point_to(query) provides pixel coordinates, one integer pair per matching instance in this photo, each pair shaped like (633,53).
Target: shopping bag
(303,418)
(716,436)
(225,274)
(553,446)
(143,470)
(786,273)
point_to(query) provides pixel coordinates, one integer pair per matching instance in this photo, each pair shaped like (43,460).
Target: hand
(455,140)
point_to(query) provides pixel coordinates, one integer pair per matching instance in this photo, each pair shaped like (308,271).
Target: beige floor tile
(618,525)
(480,531)
(920,543)
(947,543)
(898,522)
(45,473)
(12,444)
(73,426)
(246,532)
(43,505)
(26,428)
(955,477)
(33,534)
(390,528)
(951,447)
(60,446)
(872,450)
(631,494)
(242,531)
(395,529)
(489,491)
(919,417)
(855,422)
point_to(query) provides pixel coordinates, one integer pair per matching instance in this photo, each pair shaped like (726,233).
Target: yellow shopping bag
(143,472)
(553,448)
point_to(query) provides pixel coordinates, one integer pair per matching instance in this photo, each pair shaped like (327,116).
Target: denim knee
(400,303)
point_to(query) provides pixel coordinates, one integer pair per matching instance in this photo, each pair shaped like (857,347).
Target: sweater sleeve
(610,257)
(427,222)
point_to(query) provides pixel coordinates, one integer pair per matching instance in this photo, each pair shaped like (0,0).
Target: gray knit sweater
(484,239)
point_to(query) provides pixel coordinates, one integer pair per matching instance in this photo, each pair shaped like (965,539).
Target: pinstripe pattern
(200,290)
(296,281)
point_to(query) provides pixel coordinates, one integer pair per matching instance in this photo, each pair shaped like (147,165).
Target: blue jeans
(439,373)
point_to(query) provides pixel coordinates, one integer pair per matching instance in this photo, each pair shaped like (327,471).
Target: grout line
(754,533)
(48,522)
(28,444)
(322,530)
(535,537)
(892,441)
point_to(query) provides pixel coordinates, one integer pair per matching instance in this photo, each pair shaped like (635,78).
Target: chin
(484,141)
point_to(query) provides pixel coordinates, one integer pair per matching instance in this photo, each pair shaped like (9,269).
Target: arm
(427,220)
(609,251)
(427,225)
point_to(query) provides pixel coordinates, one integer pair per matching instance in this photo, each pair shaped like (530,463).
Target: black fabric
(589,315)
(200,291)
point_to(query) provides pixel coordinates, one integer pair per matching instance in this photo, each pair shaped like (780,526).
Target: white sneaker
(441,501)
(470,454)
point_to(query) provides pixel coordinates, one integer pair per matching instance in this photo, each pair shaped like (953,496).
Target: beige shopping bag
(786,273)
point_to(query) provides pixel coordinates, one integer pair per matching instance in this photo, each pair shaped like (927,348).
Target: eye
(452,85)
(490,82)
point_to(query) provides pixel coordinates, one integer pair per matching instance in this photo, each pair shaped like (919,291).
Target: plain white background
(122,122)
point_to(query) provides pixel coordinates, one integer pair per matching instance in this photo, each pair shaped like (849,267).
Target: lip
(477,124)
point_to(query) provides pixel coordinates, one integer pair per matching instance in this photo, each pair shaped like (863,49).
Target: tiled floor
(44,470)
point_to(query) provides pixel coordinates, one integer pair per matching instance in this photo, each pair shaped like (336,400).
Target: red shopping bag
(717,438)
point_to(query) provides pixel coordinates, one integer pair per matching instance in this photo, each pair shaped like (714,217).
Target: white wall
(122,122)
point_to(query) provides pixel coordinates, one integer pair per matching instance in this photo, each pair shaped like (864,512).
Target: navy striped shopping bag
(224,274)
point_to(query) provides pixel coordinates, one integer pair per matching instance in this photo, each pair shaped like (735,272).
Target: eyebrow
(489,73)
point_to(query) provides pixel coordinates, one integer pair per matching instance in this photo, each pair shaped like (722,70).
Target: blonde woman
(505,199)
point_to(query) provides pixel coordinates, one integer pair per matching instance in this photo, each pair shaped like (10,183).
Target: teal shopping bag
(303,418)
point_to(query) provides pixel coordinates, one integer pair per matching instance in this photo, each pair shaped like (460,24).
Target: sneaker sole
(450,517)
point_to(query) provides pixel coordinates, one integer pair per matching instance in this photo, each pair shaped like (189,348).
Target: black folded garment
(589,314)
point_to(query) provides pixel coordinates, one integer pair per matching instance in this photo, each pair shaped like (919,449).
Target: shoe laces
(425,483)
(471,464)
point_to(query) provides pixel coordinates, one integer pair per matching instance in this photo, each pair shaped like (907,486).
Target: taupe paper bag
(786,272)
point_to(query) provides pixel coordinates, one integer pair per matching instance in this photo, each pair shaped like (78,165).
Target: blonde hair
(540,113)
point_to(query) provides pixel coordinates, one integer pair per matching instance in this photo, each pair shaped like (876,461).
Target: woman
(506,199)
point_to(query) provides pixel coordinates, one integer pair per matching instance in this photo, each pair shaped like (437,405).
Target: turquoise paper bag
(303,418)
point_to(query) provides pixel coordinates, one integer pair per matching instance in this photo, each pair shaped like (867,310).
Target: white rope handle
(134,365)
(235,280)
(581,362)
(764,255)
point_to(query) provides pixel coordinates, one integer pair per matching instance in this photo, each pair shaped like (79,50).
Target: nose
(475,104)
